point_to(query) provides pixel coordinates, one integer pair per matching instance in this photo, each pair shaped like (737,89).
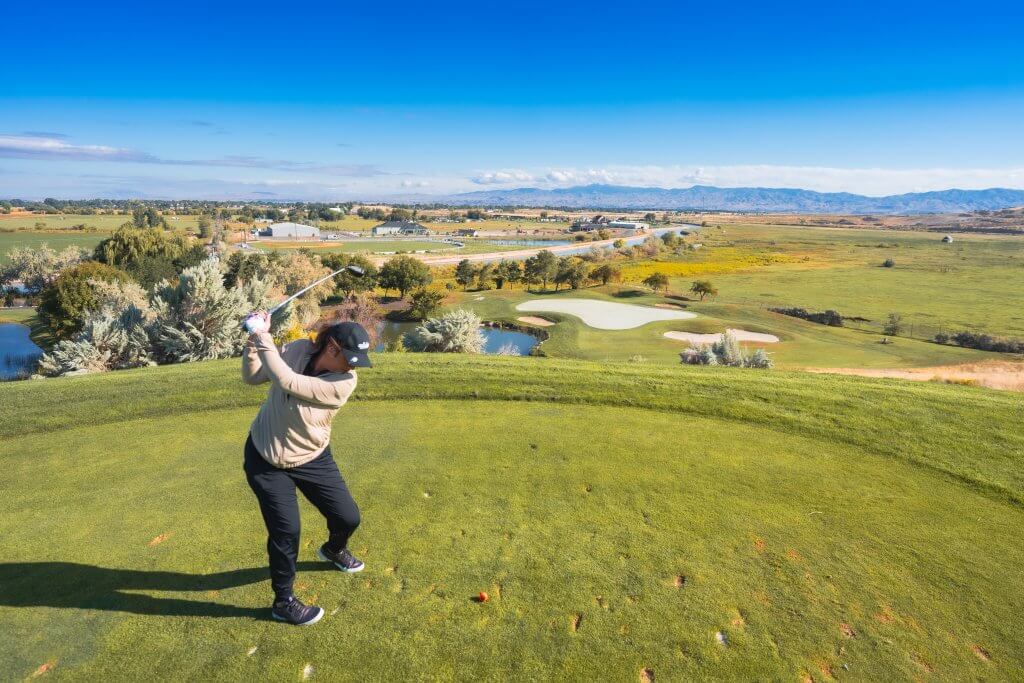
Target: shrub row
(981,341)
(830,317)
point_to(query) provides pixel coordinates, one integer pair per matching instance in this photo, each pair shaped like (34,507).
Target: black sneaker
(294,612)
(342,560)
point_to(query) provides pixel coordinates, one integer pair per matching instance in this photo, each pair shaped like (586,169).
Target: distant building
(595,223)
(467,232)
(399,228)
(948,239)
(291,230)
(630,225)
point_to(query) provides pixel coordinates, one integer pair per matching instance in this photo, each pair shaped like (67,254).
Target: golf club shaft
(309,287)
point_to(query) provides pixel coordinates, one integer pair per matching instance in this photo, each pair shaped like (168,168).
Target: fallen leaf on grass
(307,672)
(251,651)
(847,630)
(44,668)
(159,539)
(646,675)
(885,615)
(981,652)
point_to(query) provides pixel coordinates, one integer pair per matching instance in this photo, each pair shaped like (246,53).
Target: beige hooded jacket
(294,423)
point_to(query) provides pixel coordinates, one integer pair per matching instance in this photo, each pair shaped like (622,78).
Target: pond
(18,353)
(494,339)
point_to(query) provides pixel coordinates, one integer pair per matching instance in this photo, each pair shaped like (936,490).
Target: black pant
(321,483)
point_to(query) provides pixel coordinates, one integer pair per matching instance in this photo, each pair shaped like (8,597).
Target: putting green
(610,539)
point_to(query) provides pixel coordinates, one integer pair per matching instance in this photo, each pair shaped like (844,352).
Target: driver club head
(356,270)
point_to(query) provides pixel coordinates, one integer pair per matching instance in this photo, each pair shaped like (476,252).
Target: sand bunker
(534,320)
(741,335)
(604,315)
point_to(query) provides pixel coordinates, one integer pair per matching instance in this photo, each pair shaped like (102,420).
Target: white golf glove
(257,323)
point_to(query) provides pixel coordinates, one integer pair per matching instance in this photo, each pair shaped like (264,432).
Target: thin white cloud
(504,177)
(47,147)
(39,147)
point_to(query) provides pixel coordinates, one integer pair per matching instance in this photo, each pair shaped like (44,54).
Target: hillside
(696,523)
(759,199)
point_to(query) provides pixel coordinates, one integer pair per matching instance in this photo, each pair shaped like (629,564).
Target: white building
(399,228)
(291,230)
(629,225)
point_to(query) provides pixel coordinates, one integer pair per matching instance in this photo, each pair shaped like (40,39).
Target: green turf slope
(700,523)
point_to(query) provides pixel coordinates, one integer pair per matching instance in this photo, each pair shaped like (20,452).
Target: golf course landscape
(726,525)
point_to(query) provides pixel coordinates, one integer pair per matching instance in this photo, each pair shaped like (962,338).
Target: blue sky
(310,101)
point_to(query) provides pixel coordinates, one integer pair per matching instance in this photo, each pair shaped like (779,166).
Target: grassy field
(802,344)
(101,222)
(967,284)
(57,240)
(723,525)
(25,314)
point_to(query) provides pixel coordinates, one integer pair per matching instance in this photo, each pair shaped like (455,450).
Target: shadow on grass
(68,585)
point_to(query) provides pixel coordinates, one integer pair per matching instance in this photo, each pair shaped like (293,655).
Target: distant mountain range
(755,199)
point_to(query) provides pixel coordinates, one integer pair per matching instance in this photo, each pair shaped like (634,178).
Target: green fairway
(701,525)
(802,344)
(56,240)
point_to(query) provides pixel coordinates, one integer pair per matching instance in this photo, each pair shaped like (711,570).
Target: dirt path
(1005,375)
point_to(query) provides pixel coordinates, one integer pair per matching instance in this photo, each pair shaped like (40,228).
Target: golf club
(358,271)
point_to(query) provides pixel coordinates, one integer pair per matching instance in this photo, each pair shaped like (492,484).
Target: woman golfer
(289,447)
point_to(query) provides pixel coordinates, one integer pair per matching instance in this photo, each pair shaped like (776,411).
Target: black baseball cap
(354,341)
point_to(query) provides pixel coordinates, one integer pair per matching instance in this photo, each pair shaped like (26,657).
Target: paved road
(522,254)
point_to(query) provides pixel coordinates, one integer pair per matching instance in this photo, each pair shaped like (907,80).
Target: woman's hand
(257,323)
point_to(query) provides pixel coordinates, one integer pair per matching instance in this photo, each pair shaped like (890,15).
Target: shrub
(424,302)
(456,331)
(703,288)
(888,263)
(759,359)
(129,245)
(36,268)
(403,273)
(66,301)
(983,342)
(893,325)
(726,351)
(362,308)
(349,282)
(830,317)
(656,281)
(198,318)
(109,341)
